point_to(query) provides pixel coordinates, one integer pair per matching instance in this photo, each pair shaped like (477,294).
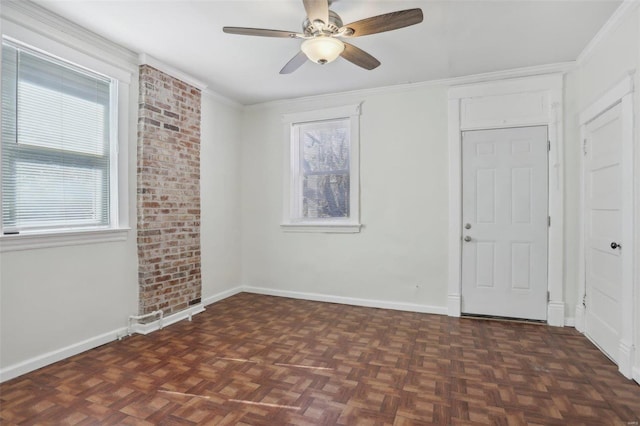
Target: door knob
(615,245)
(467,226)
(467,238)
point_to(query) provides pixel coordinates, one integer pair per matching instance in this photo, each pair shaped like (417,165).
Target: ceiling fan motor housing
(311,29)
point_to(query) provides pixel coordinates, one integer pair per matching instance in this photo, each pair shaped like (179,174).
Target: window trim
(29,241)
(290,221)
(118,230)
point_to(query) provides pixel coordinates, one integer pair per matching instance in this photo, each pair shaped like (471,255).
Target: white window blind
(56,150)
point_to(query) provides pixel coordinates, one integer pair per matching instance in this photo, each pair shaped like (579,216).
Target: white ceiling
(457,38)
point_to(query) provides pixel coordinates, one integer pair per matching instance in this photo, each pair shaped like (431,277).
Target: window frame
(292,190)
(118,227)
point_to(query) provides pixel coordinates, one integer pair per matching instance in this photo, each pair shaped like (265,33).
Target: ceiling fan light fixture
(323,49)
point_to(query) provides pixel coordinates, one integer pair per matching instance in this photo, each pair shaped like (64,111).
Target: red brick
(168,192)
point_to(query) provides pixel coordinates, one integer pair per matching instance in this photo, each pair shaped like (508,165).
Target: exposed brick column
(168,200)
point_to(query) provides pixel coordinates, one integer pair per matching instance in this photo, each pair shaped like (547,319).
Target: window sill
(61,239)
(329,228)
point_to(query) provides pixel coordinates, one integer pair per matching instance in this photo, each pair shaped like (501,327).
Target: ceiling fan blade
(317,10)
(295,63)
(359,57)
(387,22)
(261,32)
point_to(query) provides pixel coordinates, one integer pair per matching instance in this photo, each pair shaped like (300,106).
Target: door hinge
(548,145)
(549,221)
(584,300)
(548,296)
(584,147)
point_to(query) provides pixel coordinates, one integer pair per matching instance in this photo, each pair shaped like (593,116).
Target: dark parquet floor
(260,360)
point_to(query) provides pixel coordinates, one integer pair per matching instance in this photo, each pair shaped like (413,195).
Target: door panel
(603,225)
(504,202)
(601,192)
(485,264)
(521,266)
(486,199)
(521,195)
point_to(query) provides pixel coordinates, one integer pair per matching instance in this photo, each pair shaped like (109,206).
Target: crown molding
(532,83)
(560,67)
(222,99)
(145,59)
(619,15)
(624,87)
(46,23)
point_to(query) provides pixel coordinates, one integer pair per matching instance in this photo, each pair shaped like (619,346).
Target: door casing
(622,94)
(516,102)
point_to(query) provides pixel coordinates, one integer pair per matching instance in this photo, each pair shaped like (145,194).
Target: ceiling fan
(322,31)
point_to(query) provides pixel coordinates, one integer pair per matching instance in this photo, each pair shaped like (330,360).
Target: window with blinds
(56,144)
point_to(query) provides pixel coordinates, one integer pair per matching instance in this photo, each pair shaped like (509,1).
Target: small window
(322,177)
(58,151)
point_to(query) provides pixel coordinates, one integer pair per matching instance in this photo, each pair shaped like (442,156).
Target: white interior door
(505,222)
(604,239)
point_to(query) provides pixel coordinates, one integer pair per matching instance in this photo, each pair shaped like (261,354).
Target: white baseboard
(454,305)
(625,361)
(171,319)
(370,303)
(570,322)
(222,295)
(555,314)
(579,318)
(43,360)
(636,374)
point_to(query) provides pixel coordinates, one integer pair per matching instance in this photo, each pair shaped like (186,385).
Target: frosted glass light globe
(323,49)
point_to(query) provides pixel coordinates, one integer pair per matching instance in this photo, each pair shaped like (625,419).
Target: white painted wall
(606,65)
(403,243)
(636,364)
(219,196)
(53,299)
(58,301)
(572,154)
(57,297)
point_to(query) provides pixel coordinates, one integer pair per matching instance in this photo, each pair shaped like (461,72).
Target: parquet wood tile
(261,360)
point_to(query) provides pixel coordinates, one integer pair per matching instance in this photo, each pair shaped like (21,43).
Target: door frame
(517,102)
(621,93)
